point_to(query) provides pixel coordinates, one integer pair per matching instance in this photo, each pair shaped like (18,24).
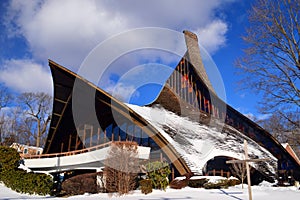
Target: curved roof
(183,141)
(184,150)
(62,125)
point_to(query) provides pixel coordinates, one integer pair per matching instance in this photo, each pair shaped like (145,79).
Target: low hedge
(30,183)
(197,183)
(204,183)
(217,184)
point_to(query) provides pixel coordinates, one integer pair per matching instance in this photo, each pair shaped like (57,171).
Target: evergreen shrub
(158,173)
(20,180)
(9,158)
(30,183)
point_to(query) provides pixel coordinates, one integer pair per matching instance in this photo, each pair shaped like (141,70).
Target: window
(25,151)
(116,133)
(144,139)
(123,131)
(109,132)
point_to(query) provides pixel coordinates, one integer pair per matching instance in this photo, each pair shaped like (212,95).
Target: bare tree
(121,167)
(239,170)
(8,128)
(283,129)
(5,99)
(36,109)
(271,61)
(1,126)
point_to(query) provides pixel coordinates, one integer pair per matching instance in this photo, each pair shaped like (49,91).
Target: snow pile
(211,179)
(21,166)
(266,184)
(197,143)
(7,193)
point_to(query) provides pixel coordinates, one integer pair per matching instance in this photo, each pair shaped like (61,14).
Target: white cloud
(26,76)
(212,36)
(250,116)
(263,116)
(122,92)
(257,117)
(243,95)
(66,31)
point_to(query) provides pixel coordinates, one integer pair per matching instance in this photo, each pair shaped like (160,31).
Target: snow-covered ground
(262,192)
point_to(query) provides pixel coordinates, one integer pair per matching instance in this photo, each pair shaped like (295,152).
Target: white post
(248,170)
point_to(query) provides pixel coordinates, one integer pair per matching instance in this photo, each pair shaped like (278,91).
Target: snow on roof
(284,144)
(291,151)
(197,143)
(20,147)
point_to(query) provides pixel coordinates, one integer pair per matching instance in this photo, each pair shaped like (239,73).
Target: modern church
(188,126)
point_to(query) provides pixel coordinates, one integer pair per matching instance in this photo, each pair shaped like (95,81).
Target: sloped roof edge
(170,150)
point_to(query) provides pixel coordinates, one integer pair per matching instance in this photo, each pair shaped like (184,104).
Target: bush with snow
(220,183)
(197,183)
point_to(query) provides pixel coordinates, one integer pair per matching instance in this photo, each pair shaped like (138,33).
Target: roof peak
(194,57)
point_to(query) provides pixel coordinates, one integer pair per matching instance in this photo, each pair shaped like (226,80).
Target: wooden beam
(56,114)
(70,140)
(248,170)
(61,101)
(247,160)
(58,122)
(63,86)
(91,136)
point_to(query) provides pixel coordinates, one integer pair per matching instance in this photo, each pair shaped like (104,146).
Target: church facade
(187,96)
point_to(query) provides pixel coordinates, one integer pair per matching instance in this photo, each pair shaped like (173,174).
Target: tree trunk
(38,134)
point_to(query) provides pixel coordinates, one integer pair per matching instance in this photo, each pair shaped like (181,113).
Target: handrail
(69,153)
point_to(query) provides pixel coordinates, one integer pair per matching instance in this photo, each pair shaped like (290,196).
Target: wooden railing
(218,173)
(69,153)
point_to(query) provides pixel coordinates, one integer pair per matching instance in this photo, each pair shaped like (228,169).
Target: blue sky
(31,32)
